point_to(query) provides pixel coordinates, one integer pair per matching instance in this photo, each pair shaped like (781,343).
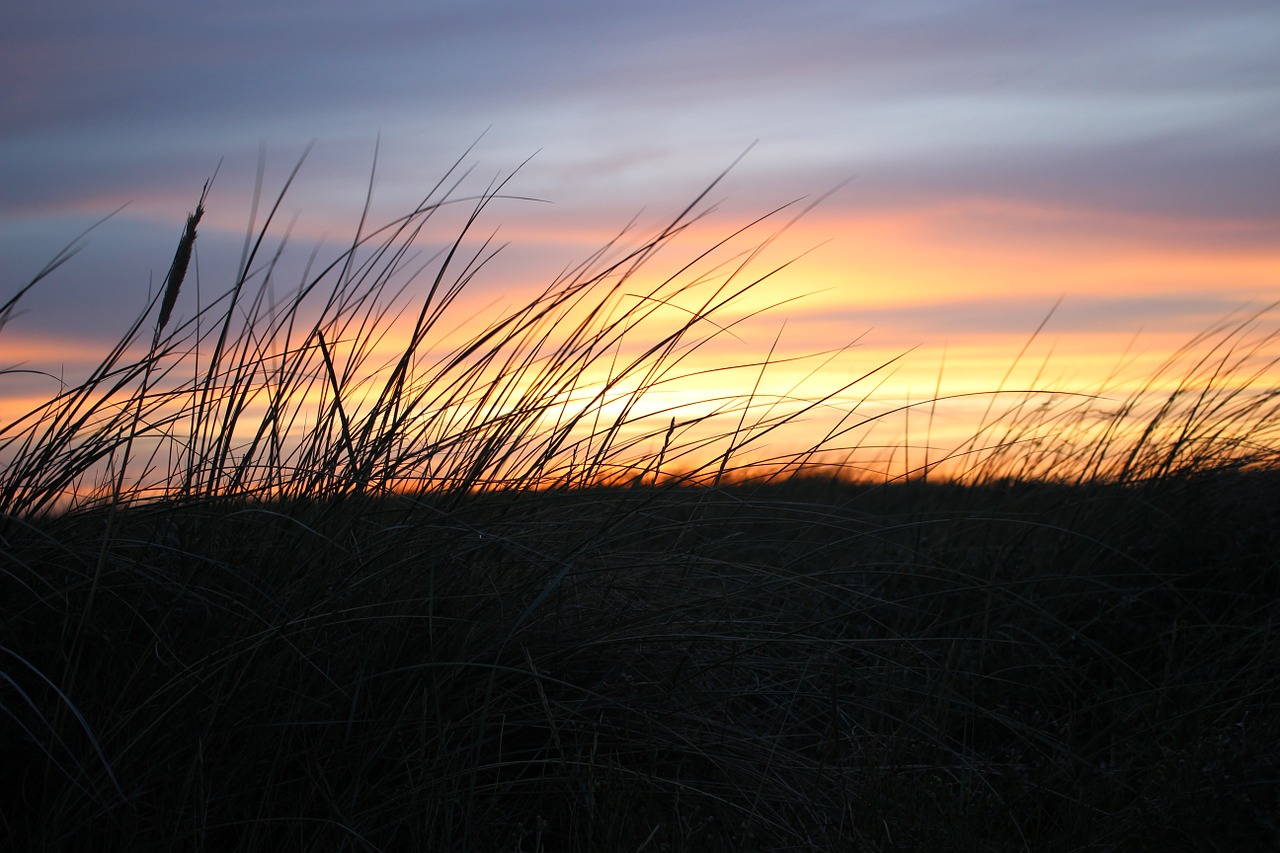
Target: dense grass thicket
(262,587)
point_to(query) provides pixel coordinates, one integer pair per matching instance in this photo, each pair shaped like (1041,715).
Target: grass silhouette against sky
(263,587)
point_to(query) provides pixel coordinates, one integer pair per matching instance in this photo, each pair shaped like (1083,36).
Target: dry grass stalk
(181,260)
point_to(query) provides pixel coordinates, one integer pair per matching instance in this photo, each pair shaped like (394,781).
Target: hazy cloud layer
(1165,115)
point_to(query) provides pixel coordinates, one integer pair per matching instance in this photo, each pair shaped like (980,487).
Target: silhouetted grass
(264,588)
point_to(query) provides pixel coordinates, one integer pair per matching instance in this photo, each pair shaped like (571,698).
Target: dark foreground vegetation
(809,666)
(267,643)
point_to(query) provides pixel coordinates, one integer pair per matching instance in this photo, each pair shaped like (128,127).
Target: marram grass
(263,587)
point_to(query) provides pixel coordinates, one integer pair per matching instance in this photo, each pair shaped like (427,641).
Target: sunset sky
(987,157)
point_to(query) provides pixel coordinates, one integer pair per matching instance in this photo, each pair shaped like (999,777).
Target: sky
(977,161)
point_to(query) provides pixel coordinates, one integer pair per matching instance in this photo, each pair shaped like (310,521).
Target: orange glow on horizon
(874,265)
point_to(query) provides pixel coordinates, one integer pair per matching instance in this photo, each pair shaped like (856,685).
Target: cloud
(1040,127)
(1073,315)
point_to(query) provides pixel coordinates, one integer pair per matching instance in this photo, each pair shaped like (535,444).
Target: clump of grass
(266,587)
(272,408)
(1211,407)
